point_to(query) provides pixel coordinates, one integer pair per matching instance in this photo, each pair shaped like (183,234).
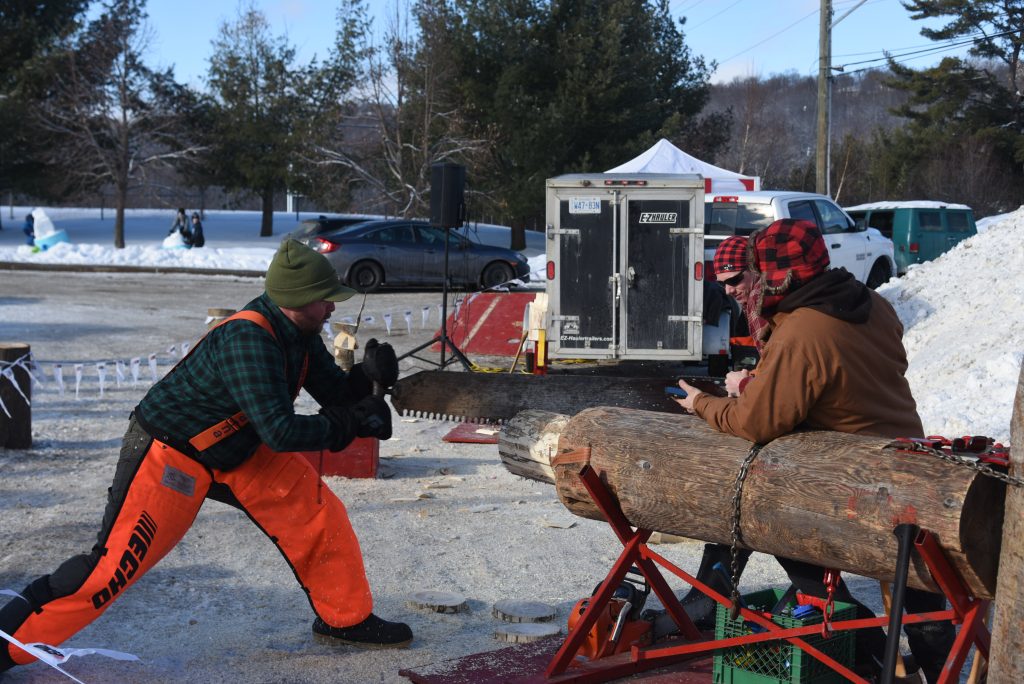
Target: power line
(758,44)
(928,51)
(715,15)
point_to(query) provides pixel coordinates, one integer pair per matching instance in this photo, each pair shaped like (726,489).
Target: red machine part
(600,641)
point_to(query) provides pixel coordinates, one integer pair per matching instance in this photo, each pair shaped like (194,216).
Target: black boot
(698,606)
(372,632)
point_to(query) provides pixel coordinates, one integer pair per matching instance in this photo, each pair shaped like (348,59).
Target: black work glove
(379,363)
(373,416)
(345,425)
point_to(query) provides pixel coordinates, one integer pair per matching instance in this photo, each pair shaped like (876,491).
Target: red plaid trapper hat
(787,254)
(731,255)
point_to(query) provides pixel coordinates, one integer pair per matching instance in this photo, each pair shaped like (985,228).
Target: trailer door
(582,246)
(662,240)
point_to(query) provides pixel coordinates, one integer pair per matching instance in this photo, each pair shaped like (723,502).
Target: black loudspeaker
(447,204)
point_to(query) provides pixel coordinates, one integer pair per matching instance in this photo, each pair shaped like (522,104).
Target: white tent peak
(664,157)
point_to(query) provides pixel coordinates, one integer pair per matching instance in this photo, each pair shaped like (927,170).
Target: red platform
(489,323)
(358,459)
(471,433)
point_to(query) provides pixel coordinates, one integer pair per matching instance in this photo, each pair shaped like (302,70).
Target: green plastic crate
(779,662)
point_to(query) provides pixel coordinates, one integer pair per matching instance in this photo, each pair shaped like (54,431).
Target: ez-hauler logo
(658,217)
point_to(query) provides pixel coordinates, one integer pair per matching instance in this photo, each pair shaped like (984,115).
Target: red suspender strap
(229,426)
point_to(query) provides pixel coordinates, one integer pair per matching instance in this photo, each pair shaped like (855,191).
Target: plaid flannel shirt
(238,366)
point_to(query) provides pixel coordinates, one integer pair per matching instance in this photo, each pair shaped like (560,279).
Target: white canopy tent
(664,157)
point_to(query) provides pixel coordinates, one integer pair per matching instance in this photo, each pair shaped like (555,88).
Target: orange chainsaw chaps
(162,502)
(283,494)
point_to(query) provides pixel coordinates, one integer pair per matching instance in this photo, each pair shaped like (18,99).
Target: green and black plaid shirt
(238,366)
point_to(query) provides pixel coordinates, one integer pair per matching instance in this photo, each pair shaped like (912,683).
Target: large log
(827,498)
(1006,659)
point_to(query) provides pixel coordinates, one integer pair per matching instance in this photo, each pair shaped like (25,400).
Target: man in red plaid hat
(834,361)
(740,283)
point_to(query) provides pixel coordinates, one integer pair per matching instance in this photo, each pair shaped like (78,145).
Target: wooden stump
(1006,659)
(437,602)
(827,498)
(16,430)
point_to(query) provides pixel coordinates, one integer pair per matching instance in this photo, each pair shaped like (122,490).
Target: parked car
(371,254)
(324,224)
(861,250)
(921,231)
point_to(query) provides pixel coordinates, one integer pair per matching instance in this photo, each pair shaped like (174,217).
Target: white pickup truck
(862,251)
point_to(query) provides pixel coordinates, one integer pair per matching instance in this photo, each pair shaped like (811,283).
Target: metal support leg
(905,535)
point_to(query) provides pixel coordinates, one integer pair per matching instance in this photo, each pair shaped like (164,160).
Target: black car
(395,252)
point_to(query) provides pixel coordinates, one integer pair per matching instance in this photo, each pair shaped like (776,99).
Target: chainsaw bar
(497,397)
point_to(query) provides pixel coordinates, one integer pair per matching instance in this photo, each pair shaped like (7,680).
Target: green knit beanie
(298,276)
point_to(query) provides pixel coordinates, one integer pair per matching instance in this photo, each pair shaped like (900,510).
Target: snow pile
(964,331)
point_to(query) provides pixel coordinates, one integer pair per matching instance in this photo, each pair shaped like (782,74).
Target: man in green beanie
(222,425)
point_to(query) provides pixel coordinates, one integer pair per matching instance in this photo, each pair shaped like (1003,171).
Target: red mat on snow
(473,433)
(525,664)
(488,323)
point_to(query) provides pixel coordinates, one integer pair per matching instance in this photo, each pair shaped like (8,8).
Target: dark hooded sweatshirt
(835,361)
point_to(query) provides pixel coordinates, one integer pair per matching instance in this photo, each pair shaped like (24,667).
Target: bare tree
(112,115)
(412,112)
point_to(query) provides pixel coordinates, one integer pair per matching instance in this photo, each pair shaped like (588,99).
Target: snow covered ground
(223,606)
(232,239)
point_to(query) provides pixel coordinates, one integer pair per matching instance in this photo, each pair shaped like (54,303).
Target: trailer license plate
(584,205)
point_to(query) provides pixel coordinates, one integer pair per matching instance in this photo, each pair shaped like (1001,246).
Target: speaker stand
(442,337)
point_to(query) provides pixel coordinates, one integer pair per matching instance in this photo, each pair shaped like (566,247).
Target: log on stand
(1006,662)
(827,498)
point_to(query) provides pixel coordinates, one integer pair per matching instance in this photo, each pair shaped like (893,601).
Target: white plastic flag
(387,322)
(349,320)
(35,372)
(408,321)
(134,363)
(78,377)
(101,370)
(58,377)
(173,350)
(369,319)
(458,305)
(3,407)
(185,346)
(119,372)
(424,316)
(439,312)
(152,366)
(9,374)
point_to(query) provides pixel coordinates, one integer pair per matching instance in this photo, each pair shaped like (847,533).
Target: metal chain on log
(737,501)
(957,460)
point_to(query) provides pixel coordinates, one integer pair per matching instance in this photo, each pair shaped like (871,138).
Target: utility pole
(824,74)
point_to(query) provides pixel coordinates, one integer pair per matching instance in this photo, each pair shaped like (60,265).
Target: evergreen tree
(963,109)
(29,32)
(574,86)
(270,112)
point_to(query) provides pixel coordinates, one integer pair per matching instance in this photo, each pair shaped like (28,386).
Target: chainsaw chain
(737,500)
(955,459)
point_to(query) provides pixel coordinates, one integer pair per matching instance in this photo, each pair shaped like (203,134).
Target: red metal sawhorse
(966,610)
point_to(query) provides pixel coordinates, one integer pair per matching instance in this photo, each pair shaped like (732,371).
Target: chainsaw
(620,625)
(498,397)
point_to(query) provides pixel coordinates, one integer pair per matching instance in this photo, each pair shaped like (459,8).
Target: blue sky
(746,37)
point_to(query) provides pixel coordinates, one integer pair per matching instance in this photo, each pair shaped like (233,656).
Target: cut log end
(523,611)
(437,602)
(526,632)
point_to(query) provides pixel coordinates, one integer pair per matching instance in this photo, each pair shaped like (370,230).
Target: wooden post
(1006,659)
(15,431)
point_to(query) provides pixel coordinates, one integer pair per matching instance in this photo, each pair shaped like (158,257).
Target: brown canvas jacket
(824,373)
